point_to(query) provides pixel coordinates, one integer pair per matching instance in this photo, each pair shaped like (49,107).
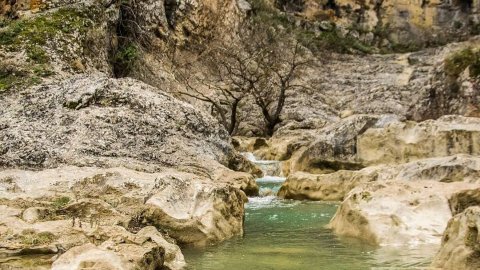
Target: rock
(326,26)
(322,187)
(335,186)
(404,142)
(34,214)
(244,6)
(243,181)
(93,257)
(191,208)
(241,163)
(460,243)
(464,199)
(406,24)
(119,249)
(448,93)
(195,213)
(173,255)
(99,121)
(397,212)
(346,113)
(335,148)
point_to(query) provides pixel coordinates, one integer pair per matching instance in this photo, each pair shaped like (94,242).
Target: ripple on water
(284,235)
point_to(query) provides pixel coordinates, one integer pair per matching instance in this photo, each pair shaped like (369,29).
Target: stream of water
(287,234)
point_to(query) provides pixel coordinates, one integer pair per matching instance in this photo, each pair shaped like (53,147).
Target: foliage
(459,61)
(124,59)
(38,30)
(31,238)
(37,54)
(60,202)
(33,36)
(263,13)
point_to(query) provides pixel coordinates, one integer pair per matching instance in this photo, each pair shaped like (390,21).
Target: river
(287,234)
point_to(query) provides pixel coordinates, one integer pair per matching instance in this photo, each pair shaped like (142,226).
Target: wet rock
(461,243)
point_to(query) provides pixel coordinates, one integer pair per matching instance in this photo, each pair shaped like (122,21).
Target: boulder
(195,213)
(408,141)
(335,147)
(335,186)
(318,187)
(191,208)
(460,248)
(397,212)
(464,199)
(97,121)
(116,248)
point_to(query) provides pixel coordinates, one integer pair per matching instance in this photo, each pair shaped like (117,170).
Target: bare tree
(281,67)
(233,74)
(263,65)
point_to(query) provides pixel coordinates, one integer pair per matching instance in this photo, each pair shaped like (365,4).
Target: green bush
(459,61)
(31,238)
(60,202)
(39,30)
(124,59)
(37,54)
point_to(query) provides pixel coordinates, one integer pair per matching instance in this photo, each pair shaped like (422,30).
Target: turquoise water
(286,234)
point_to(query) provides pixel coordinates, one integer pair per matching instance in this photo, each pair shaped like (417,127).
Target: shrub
(459,61)
(60,202)
(31,238)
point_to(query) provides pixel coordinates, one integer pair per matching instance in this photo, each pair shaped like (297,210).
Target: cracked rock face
(461,243)
(93,120)
(408,141)
(107,212)
(93,153)
(335,186)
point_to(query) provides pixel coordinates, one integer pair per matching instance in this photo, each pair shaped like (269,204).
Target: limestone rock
(335,186)
(33,214)
(191,208)
(118,249)
(464,199)
(404,142)
(404,24)
(397,212)
(318,187)
(460,244)
(94,120)
(335,148)
(448,93)
(195,213)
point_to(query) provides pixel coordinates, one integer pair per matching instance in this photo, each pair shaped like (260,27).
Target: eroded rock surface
(397,212)
(94,120)
(460,244)
(93,153)
(335,186)
(407,141)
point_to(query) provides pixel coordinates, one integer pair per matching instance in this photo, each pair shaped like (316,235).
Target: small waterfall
(268,167)
(272,180)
